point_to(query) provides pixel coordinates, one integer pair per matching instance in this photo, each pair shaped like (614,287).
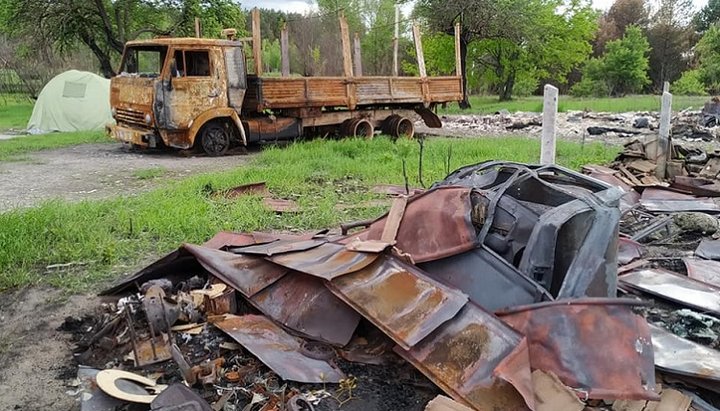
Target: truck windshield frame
(144,61)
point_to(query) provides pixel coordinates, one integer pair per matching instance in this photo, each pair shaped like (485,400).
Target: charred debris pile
(503,287)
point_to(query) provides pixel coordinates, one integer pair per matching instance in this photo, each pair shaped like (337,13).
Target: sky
(302,6)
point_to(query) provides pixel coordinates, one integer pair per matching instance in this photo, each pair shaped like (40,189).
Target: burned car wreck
(497,277)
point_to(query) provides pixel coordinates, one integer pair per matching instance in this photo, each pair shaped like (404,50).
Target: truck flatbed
(277,93)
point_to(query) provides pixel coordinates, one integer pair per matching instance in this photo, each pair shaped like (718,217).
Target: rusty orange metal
(436,224)
(247,274)
(596,346)
(228,239)
(280,247)
(328,261)
(277,349)
(399,299)
(707,271)
(303,304)
(478,360)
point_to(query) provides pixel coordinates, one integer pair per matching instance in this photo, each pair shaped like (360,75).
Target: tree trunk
(465,102)
(100,54)
(507,87)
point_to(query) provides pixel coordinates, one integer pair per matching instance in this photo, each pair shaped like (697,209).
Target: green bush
(690,84)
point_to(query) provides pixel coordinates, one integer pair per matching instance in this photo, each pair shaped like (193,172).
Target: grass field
(14,112)
(490,104)
(111,236)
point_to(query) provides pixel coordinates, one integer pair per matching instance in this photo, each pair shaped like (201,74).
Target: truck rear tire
(215,138)
(398,126)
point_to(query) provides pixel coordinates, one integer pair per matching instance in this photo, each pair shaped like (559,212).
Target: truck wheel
(357,127)
(215,139)
(398,126)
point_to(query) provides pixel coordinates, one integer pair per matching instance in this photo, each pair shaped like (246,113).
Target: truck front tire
(215,138)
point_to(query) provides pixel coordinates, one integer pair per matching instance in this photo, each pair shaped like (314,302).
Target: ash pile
(496,289)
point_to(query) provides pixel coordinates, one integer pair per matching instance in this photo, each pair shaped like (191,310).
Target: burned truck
(198,93)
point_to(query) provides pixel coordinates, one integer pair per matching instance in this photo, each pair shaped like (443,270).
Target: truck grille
(124,115)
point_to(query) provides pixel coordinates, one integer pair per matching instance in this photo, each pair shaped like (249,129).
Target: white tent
(72,101)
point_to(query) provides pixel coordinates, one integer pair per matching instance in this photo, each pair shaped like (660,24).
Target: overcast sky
(301,6)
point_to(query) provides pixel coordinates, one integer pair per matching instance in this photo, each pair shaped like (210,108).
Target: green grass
(14,112)
(15,148)
(149,173)
(490,104)
(117,234)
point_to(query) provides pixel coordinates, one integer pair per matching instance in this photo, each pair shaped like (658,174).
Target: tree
(670,36)
(707,16)
(553,40)
(105,26)
(708,49)
(621,70)
(612,25)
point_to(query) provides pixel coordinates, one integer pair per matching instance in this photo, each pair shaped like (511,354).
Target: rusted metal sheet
(680,356)
(436,224)
(669,206)
(708,249)
(477,360)
(674,287)
(628,250)
(247,274)
(657,193)
(573,339)
(229,239)
(303,304)
(707,271)
(279,247)
(327,261)
(399,299)
(277,349)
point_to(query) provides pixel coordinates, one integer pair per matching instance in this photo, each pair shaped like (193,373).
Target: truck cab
(181,93)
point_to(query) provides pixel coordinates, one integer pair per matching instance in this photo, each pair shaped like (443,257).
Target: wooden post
(197,27)
(396,40)
(357,55)
(257,41)
(458,58)
(284,51)
(549,123)
(419,51)
(345,37)
(663,143)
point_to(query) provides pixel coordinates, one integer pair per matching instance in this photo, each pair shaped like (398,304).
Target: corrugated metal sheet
(277,349)
(247,274)
(436,224)
(327,261)
(399,299)
(596,346)
(674,287)
(279,247)
(303,304)
(680,356)
(462,357)
(707,271)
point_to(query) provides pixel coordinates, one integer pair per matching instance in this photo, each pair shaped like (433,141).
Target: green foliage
(690,84)
(14,112)
(707,16)
(708,49)
(120,233)
(621,70)
(271,55)
(149,173)
(14,148)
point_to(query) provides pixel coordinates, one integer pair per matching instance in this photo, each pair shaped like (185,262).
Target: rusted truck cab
(181,93)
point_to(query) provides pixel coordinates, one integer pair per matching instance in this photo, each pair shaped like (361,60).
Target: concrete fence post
(663,142)
(549,125)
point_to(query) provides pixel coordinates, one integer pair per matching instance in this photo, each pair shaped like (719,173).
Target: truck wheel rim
(215,140)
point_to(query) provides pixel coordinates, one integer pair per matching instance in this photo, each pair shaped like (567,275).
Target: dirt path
(93,171)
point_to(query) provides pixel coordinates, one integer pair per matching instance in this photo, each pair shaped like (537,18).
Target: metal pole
(549,123)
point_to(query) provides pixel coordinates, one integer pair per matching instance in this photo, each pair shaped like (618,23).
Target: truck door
(236,77)
(197,85)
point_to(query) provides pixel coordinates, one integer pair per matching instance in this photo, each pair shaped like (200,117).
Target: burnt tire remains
(215,138)
(398,126)
(357,127)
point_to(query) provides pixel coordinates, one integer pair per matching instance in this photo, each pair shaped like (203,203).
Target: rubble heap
(499,285)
